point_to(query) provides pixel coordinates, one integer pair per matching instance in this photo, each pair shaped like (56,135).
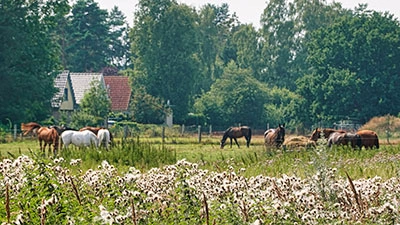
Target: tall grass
(130,152)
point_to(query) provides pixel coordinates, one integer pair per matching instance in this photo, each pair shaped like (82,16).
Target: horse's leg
(247,141)
(236,142)
(231,141)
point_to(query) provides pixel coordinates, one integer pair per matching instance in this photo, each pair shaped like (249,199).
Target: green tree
(248,46)
(28,56)
(356,72)
(88,37)
(164,46)
(119,50)
(94,107)
(147,109)
(234,98)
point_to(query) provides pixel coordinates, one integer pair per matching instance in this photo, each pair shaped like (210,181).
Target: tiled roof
(119,91)
(81,83)
(60,82)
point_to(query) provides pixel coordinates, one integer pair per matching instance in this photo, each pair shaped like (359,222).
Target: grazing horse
(45,135)
(104,138)
(236,132)
(61,129)
(79,138)
(275,137)
(353,139)
(95,130)
(369,139)
(337,138)
(326,132)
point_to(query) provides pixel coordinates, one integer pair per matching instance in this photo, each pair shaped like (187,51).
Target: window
(65,94)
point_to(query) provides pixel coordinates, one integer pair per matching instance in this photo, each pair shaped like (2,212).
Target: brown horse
(369,139)
(236,132)
(325,131)
(45,135)
(275,137)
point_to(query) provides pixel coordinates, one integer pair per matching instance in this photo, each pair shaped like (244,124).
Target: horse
(45,135)
(353,139)
(104,137)
(79,138)
(275,137)
(62,128)
(369,139)
(326,132)
(236,132)
(95,130)
(337,138)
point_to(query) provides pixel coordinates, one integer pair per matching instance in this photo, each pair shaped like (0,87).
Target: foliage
(87,37)
(146,108)
(238,98)
(164,44)
(354,62)
(118,54)
(28,56)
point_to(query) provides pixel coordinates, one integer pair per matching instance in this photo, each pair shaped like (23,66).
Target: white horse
(104,137)
(79,138)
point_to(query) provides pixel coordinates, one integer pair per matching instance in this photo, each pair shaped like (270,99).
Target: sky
(250,11)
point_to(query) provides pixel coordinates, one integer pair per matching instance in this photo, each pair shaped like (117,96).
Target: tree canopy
(310,61)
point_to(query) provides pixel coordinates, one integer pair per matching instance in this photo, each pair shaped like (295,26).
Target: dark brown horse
(236,132)
(45,135)
(275,137)
(369,139)
(353,139)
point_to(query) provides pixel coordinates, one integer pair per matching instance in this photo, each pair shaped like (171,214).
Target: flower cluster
(160,192)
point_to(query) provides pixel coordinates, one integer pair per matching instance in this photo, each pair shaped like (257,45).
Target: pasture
(255,159)
(144,180)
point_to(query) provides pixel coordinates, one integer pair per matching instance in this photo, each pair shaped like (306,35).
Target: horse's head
(316,134)
(280,137)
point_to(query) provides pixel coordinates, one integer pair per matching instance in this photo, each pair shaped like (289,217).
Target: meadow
(145,180)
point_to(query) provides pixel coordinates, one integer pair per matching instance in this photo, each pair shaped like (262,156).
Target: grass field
(383,162)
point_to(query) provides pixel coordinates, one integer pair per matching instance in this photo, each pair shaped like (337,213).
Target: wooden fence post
(15,132)
(199,132)
(163,134)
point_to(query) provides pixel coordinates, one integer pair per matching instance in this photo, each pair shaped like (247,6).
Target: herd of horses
(51,136)
(276,137)
(101,137)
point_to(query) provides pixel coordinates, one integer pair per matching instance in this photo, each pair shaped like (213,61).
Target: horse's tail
(56,139)
(376,141)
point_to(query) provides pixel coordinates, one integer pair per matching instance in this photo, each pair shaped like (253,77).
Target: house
(119,91)
(72,88)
